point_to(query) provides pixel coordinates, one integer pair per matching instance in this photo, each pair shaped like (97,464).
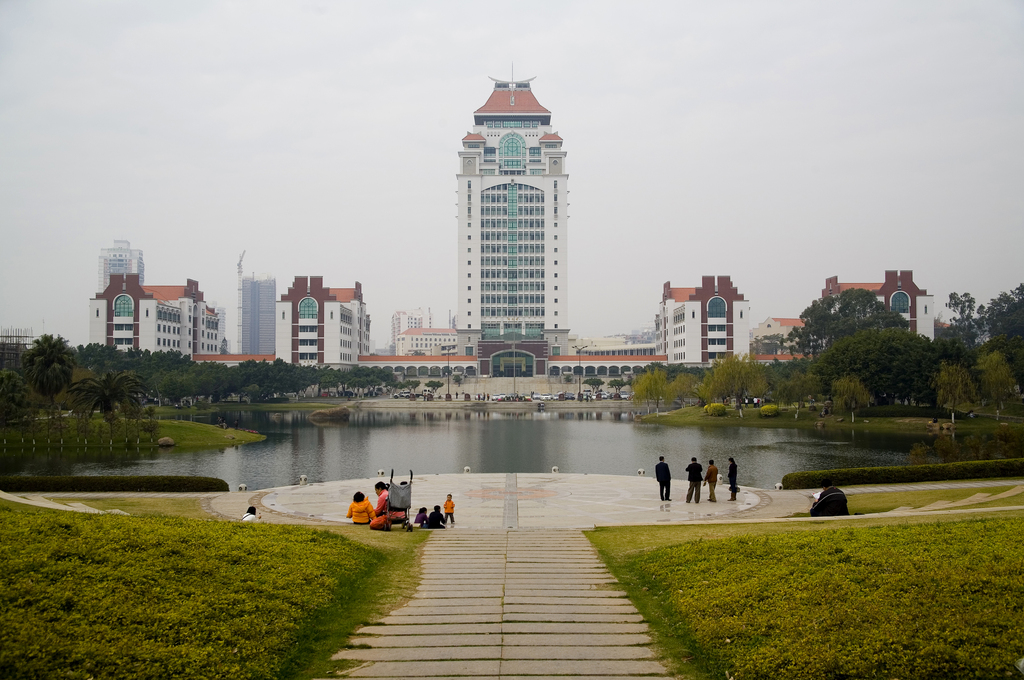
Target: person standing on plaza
(733,489)
(449,510)
(711,479)
(693,475)
(664,477)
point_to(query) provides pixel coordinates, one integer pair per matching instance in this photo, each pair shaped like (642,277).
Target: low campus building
(899,294)
(127,315)
(697,325)
(321,326)
(429,341)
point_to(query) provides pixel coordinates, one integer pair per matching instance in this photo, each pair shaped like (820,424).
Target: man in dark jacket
(694,475)
(436,519)
(664,478)
(831,501)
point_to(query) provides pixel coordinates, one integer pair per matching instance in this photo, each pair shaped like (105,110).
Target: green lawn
(904,599)
(695,415)
(165,596)
(186,434)
(242,406)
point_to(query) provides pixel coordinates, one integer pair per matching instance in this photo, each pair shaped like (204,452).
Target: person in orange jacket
(449,510)
(361,510)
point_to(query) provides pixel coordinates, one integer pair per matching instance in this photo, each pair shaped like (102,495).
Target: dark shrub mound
(111,483)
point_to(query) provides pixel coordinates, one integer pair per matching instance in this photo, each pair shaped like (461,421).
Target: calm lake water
(445,442)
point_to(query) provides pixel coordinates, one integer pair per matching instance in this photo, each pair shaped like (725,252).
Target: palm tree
(49,365)
(106,393)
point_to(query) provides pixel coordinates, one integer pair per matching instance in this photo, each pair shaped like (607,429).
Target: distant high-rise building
(402,321)
(259,296)
(120,259)
(222,324)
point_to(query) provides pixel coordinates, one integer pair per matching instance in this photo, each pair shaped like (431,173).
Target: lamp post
(579,378)
(447,349)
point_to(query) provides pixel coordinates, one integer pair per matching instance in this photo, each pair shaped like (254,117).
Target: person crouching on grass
(361,510)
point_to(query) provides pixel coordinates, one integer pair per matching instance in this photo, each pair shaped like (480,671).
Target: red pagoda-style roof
(551,137)
(473,137)
(500,101)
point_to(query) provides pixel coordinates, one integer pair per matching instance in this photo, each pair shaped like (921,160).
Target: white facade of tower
(121,259)
(513,230)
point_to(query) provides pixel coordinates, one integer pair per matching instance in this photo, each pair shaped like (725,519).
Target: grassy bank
(807,419)
(152,597)
(166,411)
(876,598)
(186,435)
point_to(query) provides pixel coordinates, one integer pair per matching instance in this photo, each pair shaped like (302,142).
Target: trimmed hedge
(937,600)
(900,411)
(769,411)
(937,472)
(111,483)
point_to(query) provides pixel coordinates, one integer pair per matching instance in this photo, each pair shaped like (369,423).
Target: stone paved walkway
(504,604)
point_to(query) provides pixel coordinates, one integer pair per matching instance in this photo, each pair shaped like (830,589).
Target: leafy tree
(1004,314)
(13,397)
(48,366)
(457,379)
(849,392)
(737,376)
(997,382)
(840,316)
(412,385)
(594,382)
(682,386)
(966,327)
(651,386)
(617,384)
(954,386)
(1012,350)
(567,378)
(768,344)
(433,385)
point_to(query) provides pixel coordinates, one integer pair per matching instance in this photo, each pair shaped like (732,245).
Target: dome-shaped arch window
(900,302)
(307,308)
(716,308)
(124,306)
(511,146)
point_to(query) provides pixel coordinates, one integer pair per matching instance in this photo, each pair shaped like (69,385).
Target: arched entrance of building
(512,363)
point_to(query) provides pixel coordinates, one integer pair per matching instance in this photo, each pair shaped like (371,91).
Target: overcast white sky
(780,143)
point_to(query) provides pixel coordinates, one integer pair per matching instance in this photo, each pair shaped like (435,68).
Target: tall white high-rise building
(403,320)
(259,297)
(513,235)
(121,259)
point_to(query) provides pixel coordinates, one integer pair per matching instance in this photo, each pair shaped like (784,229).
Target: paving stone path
(506,604)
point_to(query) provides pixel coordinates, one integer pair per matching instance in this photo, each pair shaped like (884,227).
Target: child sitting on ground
(361,510)
(436,519)
(422,518)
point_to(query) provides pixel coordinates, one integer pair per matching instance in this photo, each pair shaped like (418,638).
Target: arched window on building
(124,306)
(716,308)
(511,146)
(900,302)
(307,308)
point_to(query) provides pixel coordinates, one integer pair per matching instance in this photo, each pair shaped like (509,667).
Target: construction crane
(238,347)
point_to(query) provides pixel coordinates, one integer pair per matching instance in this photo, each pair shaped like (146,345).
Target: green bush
(938,600)
(124,597)
(900,411)
(716,410)
(166,483)
(769,411)
(937,472)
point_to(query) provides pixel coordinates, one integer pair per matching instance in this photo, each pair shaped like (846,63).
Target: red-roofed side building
(773,325)
(697,325)
(899,293)
(429,341)
(321,326)
(155,318)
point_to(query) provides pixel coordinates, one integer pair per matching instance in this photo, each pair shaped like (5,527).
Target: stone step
(454,602)
(577,640)
(433,629)
(407,620)
(573,618)
(573,628)
(480,640)
(445,611)
(565,601)
(549,595)
(507,639)
(504,668)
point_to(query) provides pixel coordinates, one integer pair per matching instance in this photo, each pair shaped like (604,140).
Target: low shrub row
(942,600)
(769,411)
(937,472)
(124,597)
(21,483)
(900,411)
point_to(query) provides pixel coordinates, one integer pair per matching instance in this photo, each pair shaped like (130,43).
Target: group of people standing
(696,476)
